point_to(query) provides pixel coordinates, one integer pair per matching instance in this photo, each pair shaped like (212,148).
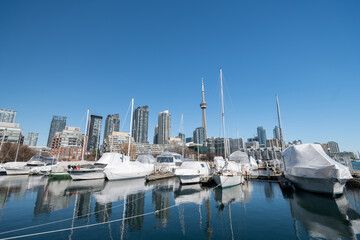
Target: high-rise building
(94,132)
(261,133)
(164,124)
(31,139)
(140,124)
(112,124)
(68,144)
(276,133)
(11,132)
(333,147)
(199,135)
(237,144)
(203,106)
(7,115)
(156,134)
(58,124)
(181,136)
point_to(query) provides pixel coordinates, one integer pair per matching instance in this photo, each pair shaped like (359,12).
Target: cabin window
(202,165)
(164,159)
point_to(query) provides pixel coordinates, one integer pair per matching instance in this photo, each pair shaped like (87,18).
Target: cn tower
(203,106)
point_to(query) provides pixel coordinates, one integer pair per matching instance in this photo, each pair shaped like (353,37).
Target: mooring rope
(88,225)
(67,219)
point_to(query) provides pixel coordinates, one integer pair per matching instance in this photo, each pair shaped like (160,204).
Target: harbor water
(37,208)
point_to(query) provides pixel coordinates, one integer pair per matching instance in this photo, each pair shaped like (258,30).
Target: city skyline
(306,52)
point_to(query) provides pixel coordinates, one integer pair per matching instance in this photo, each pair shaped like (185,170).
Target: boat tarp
(220,165)
(111,157)
(239,157)
(310,160)
(149,159)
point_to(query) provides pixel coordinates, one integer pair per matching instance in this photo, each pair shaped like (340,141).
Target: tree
(8,153)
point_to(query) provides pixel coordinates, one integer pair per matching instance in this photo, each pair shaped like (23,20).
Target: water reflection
(193,193)
(161,198)
(114,191)
(14,188)
(324,216)
(240,193)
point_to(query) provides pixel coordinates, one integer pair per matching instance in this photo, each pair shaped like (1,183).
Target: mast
(18,146)
(182,134)
(3,138)
(279,120)
(131,119)
(222,112)
(86,132)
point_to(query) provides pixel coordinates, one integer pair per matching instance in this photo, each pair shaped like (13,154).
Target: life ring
(77,169)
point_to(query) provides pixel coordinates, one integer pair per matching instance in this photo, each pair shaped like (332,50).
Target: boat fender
(77,168)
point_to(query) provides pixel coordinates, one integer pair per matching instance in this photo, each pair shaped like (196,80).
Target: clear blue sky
(62,57)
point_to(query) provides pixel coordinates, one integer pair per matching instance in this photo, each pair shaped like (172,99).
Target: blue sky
(62,57)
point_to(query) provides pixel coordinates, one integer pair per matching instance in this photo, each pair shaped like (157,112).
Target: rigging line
(88,225)
(66,219)
(122,125)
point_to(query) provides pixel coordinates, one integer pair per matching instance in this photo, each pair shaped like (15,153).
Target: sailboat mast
(86,132)
(18,146)
(182,134)
(222,111)
(131,119)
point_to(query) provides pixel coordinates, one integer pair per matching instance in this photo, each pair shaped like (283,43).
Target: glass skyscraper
(7,115)
(58,124)
(31,139)
(94,132)
(261,133)
(199,135)
(112,124)
(164,127)
(140,124)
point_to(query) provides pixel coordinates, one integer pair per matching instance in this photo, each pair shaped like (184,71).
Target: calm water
(95,209)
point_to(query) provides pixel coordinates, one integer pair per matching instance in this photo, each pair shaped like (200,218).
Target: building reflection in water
(103,212)
(135,204)
(324,216)
(161,197)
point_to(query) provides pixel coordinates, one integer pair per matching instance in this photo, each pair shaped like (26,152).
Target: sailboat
(127,169)
(229,174)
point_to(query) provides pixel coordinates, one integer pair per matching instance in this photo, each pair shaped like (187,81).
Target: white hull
(17,171)
(188,179)
(87,175)
(116,174)
(228,181)
(318,185)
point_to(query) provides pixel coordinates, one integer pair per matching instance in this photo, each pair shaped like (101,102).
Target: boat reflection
(14,188)
(240,193)
(114,191)
(324,216)
(194,193)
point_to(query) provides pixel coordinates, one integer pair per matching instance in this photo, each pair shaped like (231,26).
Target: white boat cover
(15,165)
(149,159)
(239,157)
(232,166)
(253,164)
(247,163)
(310,160)
(110,158)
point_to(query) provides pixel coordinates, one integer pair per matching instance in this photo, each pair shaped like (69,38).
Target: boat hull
(189,179)
(114,174)
(17,171)
(86,175)
(319,185)
(228,181)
